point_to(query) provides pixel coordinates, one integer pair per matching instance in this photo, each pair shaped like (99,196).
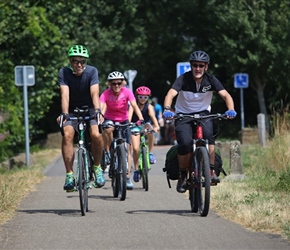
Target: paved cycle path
(50,218)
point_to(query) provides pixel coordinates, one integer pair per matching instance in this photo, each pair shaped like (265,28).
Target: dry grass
(16,184)
(256,210)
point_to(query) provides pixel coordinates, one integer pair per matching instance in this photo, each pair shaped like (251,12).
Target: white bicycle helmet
(115,75)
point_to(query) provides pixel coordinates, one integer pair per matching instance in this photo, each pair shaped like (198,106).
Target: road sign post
(241,81)
(182,67)
(25,76)
(130,75)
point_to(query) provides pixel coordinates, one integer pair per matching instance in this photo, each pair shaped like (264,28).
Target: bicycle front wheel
(200,183)
(144,170)
(82,183)
(122,170)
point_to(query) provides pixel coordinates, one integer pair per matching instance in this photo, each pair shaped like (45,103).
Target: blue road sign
(241,80)
(182,67)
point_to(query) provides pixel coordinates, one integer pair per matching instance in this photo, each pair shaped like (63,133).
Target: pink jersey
(117,107)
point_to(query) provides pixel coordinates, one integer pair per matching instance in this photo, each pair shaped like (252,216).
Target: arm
(151,113)
(169,97)
(130,113)
(95,96)
(64,93)
(227,98)
(136,110)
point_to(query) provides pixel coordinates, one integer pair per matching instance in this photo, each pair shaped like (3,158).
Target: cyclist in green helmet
(79,86)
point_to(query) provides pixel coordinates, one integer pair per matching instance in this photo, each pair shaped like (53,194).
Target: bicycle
(84,176)
(199,179)
(144,161)
(119,160)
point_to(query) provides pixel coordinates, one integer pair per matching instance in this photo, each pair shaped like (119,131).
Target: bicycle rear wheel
(199,193)
(144,170)
(122,171)
(82,186)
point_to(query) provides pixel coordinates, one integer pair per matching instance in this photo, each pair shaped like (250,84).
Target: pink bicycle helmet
(143,91)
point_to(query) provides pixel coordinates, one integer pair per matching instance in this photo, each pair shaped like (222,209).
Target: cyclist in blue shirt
(194,91)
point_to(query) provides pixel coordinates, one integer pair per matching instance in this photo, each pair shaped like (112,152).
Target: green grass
(261,200)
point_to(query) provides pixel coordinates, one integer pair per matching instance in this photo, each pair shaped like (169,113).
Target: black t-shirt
(79,86)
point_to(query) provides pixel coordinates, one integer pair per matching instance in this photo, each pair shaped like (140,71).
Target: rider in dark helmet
(194,90)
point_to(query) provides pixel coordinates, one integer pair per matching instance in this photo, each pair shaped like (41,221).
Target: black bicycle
(84,172)
(199,179)
(119,158)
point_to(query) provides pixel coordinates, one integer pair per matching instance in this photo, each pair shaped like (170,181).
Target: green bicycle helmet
(78,50)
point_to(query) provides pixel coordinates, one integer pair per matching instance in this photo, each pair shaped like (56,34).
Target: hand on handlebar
(140,122)
(168,114)
(98,116)
(231,114)
(63,118)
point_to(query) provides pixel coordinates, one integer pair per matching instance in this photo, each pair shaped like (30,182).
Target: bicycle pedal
(71,190)
(213,184)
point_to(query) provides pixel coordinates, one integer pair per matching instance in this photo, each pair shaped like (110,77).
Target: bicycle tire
(114,170)
(192,186)
(103,160)
(200,184)
(122,171)
(83,191)
(144,170)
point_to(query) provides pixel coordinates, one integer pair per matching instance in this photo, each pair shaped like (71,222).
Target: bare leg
(97,144)
(129,159)
(107,137)
(150,142)
(136,148)
(68,148)
(211,153)
(184,161)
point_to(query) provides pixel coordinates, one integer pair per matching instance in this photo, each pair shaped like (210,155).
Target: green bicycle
(144,161)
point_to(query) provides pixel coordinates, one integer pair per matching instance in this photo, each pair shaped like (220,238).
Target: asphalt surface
(50,218)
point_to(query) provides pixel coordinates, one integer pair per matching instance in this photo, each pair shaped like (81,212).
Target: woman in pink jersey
(115,102)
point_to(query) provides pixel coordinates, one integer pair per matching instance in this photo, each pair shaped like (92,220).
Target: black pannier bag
(171,165)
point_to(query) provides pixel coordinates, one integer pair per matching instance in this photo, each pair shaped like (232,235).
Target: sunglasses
(143,97)
(76,62)
(116,83)
(198,65)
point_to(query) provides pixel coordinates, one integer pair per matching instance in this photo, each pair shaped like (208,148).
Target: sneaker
(152,158)
(213,178)
(136,175)
(99,177)
(107,158)
(181,183)
(69,184)
(129,183)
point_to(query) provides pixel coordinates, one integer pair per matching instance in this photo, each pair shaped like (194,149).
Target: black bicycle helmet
(199,56)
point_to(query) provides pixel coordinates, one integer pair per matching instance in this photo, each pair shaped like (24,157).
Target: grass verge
(15,184)
(260,201)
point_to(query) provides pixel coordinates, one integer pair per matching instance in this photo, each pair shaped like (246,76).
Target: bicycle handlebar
(199,117)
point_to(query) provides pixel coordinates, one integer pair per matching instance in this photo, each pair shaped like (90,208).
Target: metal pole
(26,117)
(130,83)
(242,109)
